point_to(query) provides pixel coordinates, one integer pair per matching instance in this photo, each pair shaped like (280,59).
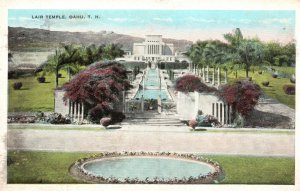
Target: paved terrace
(153,139)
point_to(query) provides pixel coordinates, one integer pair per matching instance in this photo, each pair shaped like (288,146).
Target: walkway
(258,144)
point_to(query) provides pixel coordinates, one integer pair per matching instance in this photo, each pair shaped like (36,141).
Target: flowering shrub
(207,121)
(116,116)
(190,83)
(17,85)
(98,86)
(193,123)
(57,118)
(41,79)
(21,119)
(213,121)
(265,83)
(242,95)
(289,89)
(105,121)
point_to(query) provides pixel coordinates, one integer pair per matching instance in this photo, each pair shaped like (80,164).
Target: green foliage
(274,90)
(67,56)
(279,55)
(56,118)
(71,58)
(241,53)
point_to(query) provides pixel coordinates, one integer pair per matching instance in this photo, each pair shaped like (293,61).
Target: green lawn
(57,128)
(275,89)
(33,96)
(52,167)
(257,170)
(286,70)
(242,131)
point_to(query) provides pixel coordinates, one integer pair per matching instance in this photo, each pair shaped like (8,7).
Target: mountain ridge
(22,39)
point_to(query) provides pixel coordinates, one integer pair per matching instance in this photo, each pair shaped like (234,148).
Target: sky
(179,24)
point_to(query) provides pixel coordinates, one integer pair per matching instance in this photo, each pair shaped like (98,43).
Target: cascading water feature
(152,87)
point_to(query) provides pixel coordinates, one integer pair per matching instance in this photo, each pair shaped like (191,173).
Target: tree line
(241,53)
(74,58)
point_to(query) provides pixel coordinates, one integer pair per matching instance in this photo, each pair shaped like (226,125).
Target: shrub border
(77,170)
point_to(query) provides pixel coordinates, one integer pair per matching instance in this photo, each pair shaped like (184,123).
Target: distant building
(153,49)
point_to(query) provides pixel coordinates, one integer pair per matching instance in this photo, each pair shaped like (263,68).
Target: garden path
(271,113)
(223,143)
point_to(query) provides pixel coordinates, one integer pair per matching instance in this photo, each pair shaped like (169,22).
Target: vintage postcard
(160,95)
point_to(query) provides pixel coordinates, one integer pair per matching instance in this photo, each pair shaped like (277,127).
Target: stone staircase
(153,119)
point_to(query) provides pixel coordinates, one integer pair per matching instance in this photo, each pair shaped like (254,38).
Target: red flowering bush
(98,86)
(193,123)
(242,95)
(190,83)
(289,89)
(105,121)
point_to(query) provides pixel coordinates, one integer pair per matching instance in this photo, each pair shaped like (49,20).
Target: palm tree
(112,51)
(235,38)
(215,55)
(250,54)
(195,53)
(68,56)
(246,52)
(92,54)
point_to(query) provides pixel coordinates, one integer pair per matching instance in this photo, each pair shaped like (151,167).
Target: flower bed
(289,89)
(77,169)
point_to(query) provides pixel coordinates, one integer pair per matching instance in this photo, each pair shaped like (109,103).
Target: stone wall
(60,106)
(186,106)
(64,107)
(205,101)
(189,104)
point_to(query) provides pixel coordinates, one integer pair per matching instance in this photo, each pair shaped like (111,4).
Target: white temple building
(153,49)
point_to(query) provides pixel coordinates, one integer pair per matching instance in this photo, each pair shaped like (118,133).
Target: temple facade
(153,49)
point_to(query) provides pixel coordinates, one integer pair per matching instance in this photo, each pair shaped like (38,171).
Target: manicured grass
(57,128)
(274,90)
(41,167)
(33,96)
(286,70)
(52,167)
(243,131)
(257,170)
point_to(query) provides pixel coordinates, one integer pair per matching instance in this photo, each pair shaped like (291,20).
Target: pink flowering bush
(99,87)
(193,123)
(242,95)
(190,83)
(105,121)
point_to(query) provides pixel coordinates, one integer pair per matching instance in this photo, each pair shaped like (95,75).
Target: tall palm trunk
(56,77)
(69,73)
